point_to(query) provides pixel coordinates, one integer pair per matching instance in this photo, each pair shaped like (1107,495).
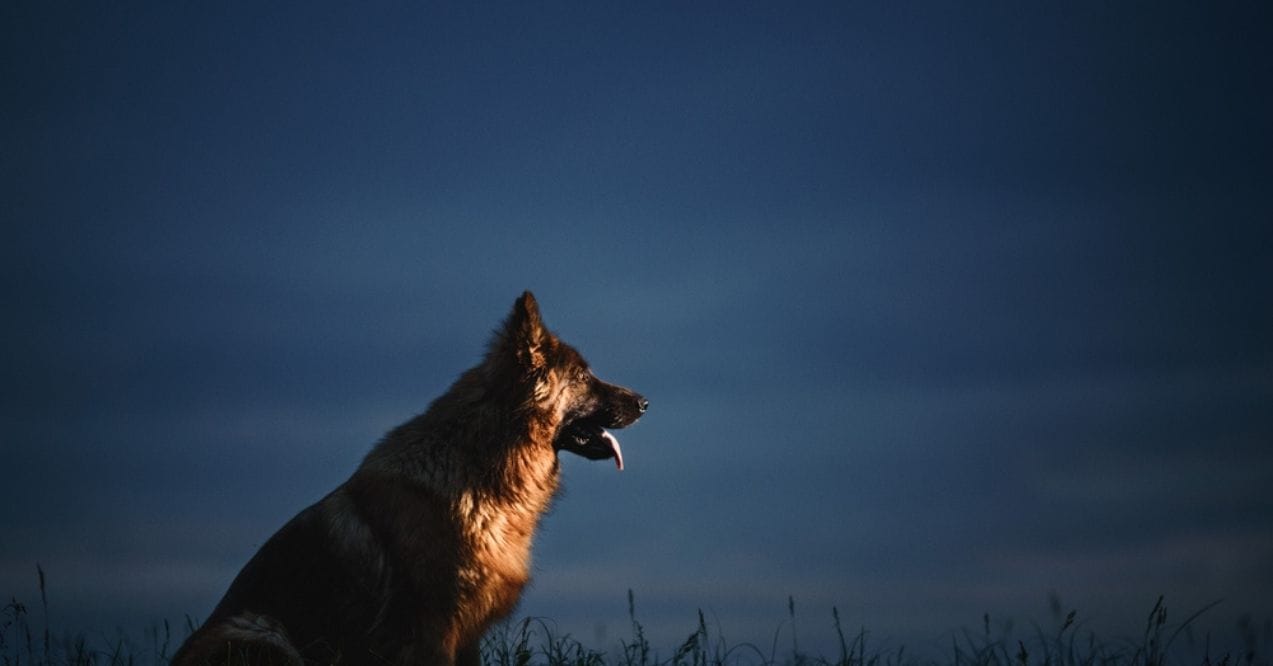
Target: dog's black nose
(643,404)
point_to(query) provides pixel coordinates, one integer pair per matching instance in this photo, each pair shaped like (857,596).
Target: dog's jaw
(590,440)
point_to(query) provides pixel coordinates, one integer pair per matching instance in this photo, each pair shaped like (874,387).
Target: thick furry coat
(428,543)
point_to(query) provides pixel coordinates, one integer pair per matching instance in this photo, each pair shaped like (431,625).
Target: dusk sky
(942,308)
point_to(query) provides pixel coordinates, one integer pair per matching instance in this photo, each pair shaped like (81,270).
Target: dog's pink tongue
(614,446)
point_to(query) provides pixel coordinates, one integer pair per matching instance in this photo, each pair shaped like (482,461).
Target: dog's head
(555,384)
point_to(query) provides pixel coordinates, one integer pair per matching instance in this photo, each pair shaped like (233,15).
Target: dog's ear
(524,336)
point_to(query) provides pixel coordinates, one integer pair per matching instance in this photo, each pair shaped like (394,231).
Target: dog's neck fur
(494,502)
(426,449)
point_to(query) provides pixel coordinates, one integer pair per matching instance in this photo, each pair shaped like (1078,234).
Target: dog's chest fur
(463,531)
(497,526)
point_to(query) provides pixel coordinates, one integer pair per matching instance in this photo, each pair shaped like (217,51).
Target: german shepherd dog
(428,543)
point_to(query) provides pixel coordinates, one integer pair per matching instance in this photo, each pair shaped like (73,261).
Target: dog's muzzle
(590,436)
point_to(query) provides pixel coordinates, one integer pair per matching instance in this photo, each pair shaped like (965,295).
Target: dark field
(26,638)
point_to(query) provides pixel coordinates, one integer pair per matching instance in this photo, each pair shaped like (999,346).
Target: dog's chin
(591,441)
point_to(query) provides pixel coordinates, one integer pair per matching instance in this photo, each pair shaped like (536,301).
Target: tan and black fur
(428,543)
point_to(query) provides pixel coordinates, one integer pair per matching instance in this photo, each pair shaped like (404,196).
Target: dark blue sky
(941,308)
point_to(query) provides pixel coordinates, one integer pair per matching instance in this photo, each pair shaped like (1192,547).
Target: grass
(538,641)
